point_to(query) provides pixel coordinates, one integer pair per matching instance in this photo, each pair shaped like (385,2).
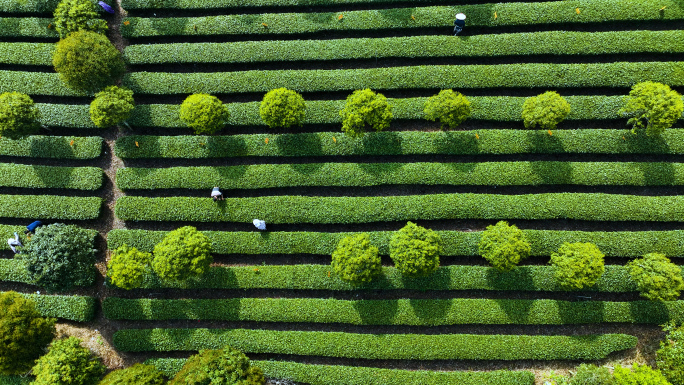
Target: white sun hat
(460,16)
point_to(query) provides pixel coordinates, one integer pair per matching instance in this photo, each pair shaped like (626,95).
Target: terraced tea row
(30,176)
(70,307)
(56,147)
(49,207)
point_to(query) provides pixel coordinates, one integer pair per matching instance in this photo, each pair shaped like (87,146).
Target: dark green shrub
(355,260)
(59,257)
(657,278)
(639,375)
(670,356)
(77,15)
(652,105)
(282,108)
(68,363)
(592,375)
(577,265)
(222,366)
(205,114)
(18,115)
(365,108)
(503,246)
(184,253)
(111,106)
(415,250)
(24,334)
(545,110)
(127,267)
(451,108)
(87,61)
(137,374)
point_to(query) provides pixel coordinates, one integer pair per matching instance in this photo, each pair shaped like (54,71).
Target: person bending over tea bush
(365,108)
(415,250)
(87,61)
(577,265)
(137,374)
(127,267)
(355,260)
(222,366)
(24,334)
(545,110)
(18,115)
(282,108)
(77,15)
(184,253)
(111,106)
(68,363)
(657,278)
(503,246)
(204,113)
(670,356)
(652,105)
(451,108)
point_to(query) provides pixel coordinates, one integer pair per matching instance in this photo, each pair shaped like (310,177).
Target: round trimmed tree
(503,245)
(77,15)
(653,106)
(365,108)
(577,265)
(204,113)
(137,374)
(87,61)
(657,278)
(18,115)
(355,260)
(184,253)
(545,110)
(24,333)
(282,108)
(451,108)
(222,366)
(68,363)
(415,250)
(111,106)
(126,269)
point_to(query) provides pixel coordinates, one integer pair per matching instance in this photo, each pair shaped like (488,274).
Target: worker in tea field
(216,194)
(14,242)
(259,224)
(459,23)
(33,226)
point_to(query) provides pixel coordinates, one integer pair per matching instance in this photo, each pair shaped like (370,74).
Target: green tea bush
(111,106)
(592,375)
(578,265)
(639,375)
(365,108)
(127,267)
(658,279)
(18,115)
(503,246)
(24,333)
(545,110)
(184,253)
(282,108)
(204,113)
(654,106)
(222,366)
(670,356)
(68,363)
(77,15)
(449,107)
(355,260)
(415,250)
(137,374)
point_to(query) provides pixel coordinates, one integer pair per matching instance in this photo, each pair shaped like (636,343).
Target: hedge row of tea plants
(49,207)
(377,346)
(424,312)
(27,27)
(39,54)
(33,176)
(65,115)
(70,307)
(35,83)
(535,43)
(525,75)
(499,141)
(358,375)
(199,4)
(376,174)
(346,210)
(14,270)
(56,147)
(508,14)
(28,6)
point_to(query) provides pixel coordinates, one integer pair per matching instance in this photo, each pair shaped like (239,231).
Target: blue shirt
(34,225)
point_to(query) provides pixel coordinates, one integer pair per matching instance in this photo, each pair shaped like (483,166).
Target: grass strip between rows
(49,207)
(377,346)
(56,147)
(33,176)
(70,307)
(347,210)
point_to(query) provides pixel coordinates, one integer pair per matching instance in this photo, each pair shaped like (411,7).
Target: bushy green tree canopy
(503,246)
(18,115)
(415,250)
(639,375)
(365,108)
(545,110)
(282,108)
(77,15)
(58,257)
(87,61)
(111,106)
(126,269)
(451,108)
(355,260)
(670,356)
(68,363)
(24,334)
(224,366)
(592,375)
(137,374)
(654,106)
(577,265)
(184,253)
(657,278)
(204,113)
